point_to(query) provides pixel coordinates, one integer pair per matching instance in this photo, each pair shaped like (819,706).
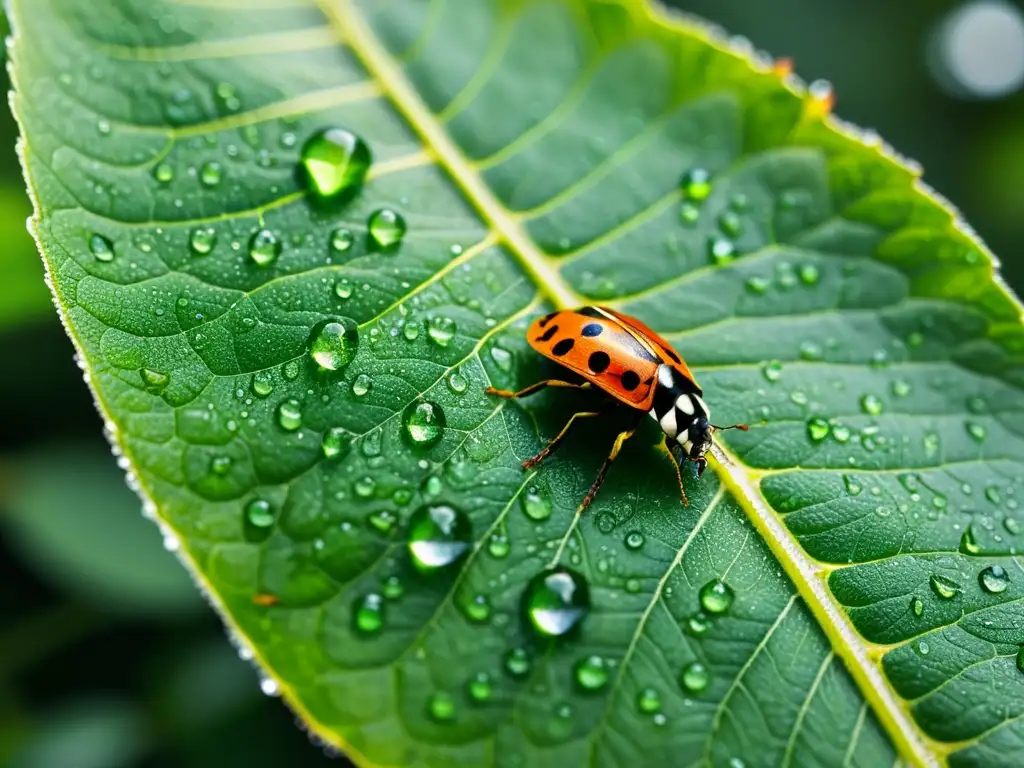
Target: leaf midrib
(800,568)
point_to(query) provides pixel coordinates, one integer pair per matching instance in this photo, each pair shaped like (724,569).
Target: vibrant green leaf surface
(534,150)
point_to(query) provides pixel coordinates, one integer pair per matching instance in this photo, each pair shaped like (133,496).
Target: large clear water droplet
(591,673)
(336,443)
(441,330)
(438,536)
(648,701)
(333,343)
(817,429)
(386,228)
(202,240)
(695,677)
(342,240)
(101,248)
(535,504)
(423,423)
(556,601)
(944,587)
(696,184)
(289,415)
(368,614)
(335,162)
(210,174)
(716,596)
(264,248)
(362,385)
(994,579)
(259,513)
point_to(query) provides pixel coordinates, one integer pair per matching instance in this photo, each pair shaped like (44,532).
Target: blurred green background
(109,657)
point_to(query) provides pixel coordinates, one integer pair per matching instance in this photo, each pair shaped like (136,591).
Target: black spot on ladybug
(546,319)
(671,353)
(562,347)
(598,361)
(589,312)
(630,380)
(548,334)
(592,329)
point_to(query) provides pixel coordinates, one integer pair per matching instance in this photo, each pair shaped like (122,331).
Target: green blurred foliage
(108,657)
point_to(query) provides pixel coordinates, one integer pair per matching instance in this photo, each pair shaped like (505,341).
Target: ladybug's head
(698,443)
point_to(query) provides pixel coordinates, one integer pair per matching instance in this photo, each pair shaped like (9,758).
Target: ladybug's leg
(599,481)
(557,439)
(679,476)
(535,388)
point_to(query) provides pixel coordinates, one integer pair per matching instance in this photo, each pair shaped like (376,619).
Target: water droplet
(210,174)
(336,442)
(817,429)
(411,331)
(101,248)
(477,609)
(634,540)
(758,285)
(535,504)
(259,513)
(269,686)
(772,370)
(976,431)
(944,587)
(457,383)
(262,384)
(555,601)
(264,248)
(342,240)
(968,543)
(382,521)
(852,486)
(289,415)
(721,251)
(154,381)
(730,223)
(335,162)
(901,388)
(698,624)
(716,596)
(386,228)
(364,487)
(368,614)
(841,433)
(202,240)
(441,330)
(994,579)
(696,184)
(1012,526)
(479,687)
(220,465)
(290,370)
(591,673)
(689,214)
(438,536)
(517,662)
(917,606)
(333,343)
(423,423)
(871,405)
(498,546)
(648,701)
(343,288)
(164,173)
(923,648)
(362,384)
(695,677)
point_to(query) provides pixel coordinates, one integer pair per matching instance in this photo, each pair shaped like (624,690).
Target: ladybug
(637,367)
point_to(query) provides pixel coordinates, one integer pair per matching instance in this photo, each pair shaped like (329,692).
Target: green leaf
(534,152)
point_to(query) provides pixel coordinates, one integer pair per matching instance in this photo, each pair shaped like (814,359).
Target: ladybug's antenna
(717,428)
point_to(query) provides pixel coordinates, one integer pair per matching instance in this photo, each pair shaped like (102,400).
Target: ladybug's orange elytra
(634,365)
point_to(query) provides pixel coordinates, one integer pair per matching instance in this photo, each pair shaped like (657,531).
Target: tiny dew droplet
(698,624)
(476,608)
(517,662)
(343,288)
(342,240)
(648,701)
(368,614)
(772,370)
(730,223)
(333,343)
(479,687)
(336,442)
(634,540)
(689,214)
(289,415)
(101,248)
(817,429)
(591,673)
(917,606)
(721,251)
(335,162)
(498,546)
(809,274)
(386,228)
(210,174)
(442,707)
(259,513)
(556,601)
(362,384)
(423,423)
(695,677)
(994,579)
(716,596)
(262,384)
(852,486)
(535,503)
(871,404)
(901,388)
(393,588)
(264,248)
(944,587)
(438,536)
(202,240)
(164,173)
(758,285)
(696,184)
(976,431)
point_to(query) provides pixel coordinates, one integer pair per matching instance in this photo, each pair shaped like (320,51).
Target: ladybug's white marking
(685,404)
(668,422)
(703,405)
(665,377)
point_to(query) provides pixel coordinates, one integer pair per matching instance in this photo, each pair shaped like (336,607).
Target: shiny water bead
(696,184)
(423,423)
(101,248)
(716,596)
(994,579)
(480,687)
(695,677)
(517,662)
(289,415)
(342,240)
(368,614)
(336,442)
(386,228)
(335,162)
(333,343)
(591,673)
(202,240)
(438,536)
(556,601)
(259,513)
(264,248)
